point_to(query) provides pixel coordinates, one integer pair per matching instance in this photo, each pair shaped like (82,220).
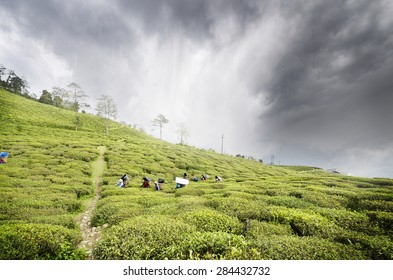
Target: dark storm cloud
(333,79)
(193,18)
(62,23)
(109,24)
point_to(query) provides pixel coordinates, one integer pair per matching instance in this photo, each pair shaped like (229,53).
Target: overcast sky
(309,82)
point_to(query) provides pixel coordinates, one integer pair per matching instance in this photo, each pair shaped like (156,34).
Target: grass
(257,212)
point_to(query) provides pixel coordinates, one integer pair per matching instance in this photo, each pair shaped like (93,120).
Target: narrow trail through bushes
(90,235)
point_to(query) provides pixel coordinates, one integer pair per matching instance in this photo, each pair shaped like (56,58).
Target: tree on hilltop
(106,108)
(183,132)
(77,96)
(159,121)
(14,83)
(46,98)
(2,72)
(60,95)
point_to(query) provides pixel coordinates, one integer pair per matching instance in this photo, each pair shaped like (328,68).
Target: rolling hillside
(257,212)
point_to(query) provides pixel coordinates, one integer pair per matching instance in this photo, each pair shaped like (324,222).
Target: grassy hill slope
(257,212)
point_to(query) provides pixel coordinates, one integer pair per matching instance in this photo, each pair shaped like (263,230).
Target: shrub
(38,242)
(373,247)
(383,219)
(210,220)
(212,246)
(103,215)
(303,223)
(143,238)
(259,229)
(304,248)
(347,219)
(238,207)
(66,220)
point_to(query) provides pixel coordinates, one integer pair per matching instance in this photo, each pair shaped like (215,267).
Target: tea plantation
(257,212)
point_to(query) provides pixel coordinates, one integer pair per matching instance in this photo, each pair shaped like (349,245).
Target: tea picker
(3,157)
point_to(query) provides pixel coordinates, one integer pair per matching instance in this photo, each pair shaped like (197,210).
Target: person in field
(3,157)
(160,183)
(195,179)
(156,185)
(218,179)
(123,181)
(146,182)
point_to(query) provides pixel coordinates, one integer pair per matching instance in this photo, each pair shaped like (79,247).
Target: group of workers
(124,180)
(180,182)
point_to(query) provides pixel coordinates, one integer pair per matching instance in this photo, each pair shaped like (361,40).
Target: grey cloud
(193,18)
(66,24)
(334,72)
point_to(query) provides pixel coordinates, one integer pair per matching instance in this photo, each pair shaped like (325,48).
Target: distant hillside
(258,211)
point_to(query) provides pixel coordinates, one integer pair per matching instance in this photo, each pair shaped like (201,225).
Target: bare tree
(160,121)
(183,132)
(106,108)
(77,96)
(60,92)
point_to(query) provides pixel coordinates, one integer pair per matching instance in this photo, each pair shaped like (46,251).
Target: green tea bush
(303,223)
(384,220)
(373,205)
(237,207)
(66,220)
(38,242)
(104,214)
(189,191)
(324,200)
(144,238)
(259,229)
(304,248)
(287,201)
(212,246)
(346,219)
(373,247)
(210,220)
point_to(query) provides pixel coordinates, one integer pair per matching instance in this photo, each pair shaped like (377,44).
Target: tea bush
(304,248)
(209,220)
(143,238)
(38,241)
(212,246)
(259,229)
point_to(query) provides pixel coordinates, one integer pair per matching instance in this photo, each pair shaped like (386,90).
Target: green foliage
(305,248)
(210,220)
(144,237)
(213,246)
(35,241)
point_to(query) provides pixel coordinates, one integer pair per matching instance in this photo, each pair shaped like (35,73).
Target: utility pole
(272,160)
(222,144)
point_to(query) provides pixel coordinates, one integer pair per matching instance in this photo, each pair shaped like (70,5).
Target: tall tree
(46,98)
(16,84)
(183,132)
(2,72)
(58,101)
(159,121)
(106,108)
(77,96)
